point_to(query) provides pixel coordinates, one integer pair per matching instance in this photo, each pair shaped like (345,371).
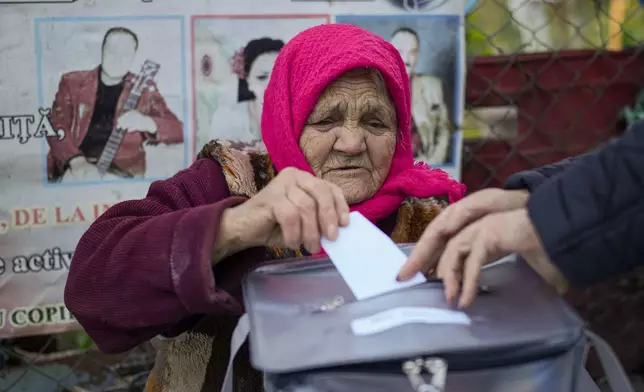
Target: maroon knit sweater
(144,268)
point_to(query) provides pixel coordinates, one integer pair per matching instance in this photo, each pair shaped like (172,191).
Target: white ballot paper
(367,259)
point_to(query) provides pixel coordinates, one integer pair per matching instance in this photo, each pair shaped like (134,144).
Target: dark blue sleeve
(532,179)
(590,217)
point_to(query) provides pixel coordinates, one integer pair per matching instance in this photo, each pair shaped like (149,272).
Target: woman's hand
(450,222)
(294,209)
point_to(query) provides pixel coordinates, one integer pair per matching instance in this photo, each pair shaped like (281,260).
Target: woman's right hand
(294,209)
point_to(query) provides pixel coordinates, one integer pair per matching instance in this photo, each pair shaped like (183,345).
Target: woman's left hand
(484,241)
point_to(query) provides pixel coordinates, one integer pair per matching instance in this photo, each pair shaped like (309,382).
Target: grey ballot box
(522,335)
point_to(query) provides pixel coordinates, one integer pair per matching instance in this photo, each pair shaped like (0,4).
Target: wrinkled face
(350,137)
(407,45)
(259,73)
(118,54)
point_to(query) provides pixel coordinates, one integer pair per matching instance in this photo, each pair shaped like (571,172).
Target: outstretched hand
(484,241)
(455,218)
(473,232)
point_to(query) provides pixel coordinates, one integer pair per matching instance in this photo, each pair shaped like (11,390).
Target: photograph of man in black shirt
(90,104)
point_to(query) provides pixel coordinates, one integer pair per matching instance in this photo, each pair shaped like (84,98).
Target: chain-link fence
(546,79)
(55,364)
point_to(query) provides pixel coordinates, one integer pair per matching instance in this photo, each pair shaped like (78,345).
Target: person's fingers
(449,222)
(450,270)
(429,269)
(469,209)
(450,265)
(341,205)
(287,217)
(430,246)
(472,271)
(459,215)
(425,254)
(326,215)
(481,203)
(498,234)
(308,216)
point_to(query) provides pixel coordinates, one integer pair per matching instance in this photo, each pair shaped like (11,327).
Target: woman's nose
(351,140)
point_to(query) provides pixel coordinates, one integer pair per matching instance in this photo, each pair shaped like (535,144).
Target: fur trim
(413,217)
(247,167)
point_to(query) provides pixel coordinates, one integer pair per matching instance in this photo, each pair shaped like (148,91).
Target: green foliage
(634,25)
(478,44)
(82,340)
(635,113)
(75,340)
(490,29)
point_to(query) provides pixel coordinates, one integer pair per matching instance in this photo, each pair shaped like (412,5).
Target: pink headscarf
(309,63)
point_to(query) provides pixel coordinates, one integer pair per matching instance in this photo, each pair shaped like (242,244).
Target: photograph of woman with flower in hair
(253,65)
(247,49)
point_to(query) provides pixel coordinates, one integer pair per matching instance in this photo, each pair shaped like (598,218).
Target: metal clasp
(331,305)
(437,369)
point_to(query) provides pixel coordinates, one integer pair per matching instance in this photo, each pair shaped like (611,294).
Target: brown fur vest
(196,361)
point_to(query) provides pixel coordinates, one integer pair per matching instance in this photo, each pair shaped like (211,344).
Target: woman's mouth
(348,169)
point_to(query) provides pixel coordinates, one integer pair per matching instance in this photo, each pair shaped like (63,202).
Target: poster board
(72,66)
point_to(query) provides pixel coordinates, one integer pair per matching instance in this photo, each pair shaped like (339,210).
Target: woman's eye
(262,77)
(375,124)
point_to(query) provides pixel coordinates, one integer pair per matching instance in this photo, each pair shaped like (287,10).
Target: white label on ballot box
(396,317)
(367,259)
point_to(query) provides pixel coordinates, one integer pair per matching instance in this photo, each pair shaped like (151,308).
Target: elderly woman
(336,128)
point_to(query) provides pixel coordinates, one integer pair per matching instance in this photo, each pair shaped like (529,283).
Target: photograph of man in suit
(89,104)
(430,120)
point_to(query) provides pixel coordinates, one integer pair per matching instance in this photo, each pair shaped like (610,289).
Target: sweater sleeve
(591,216)
(143,268)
